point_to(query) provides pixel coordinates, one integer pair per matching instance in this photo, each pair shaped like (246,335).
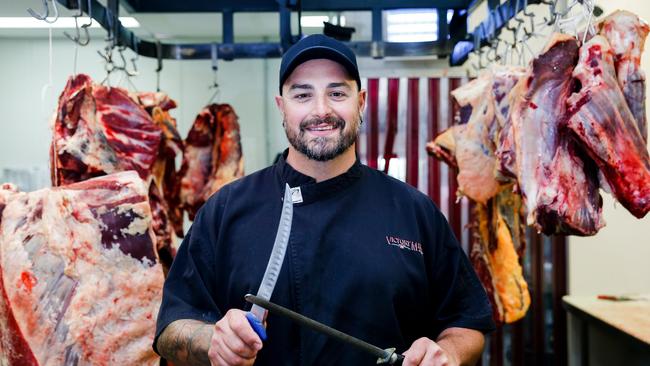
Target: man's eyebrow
(337,85)
(301,86)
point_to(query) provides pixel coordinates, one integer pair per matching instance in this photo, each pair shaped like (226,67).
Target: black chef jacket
(368,255)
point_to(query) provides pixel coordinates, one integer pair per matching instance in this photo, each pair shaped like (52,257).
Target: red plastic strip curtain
(434,129)
(391,118)
(412,132)
(372,127)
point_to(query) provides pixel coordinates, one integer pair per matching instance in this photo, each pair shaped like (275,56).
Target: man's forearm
(464,345)
(186,342)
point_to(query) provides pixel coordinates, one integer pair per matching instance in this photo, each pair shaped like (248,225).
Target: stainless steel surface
(274,265)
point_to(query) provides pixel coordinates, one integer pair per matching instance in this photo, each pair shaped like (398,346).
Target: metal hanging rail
(107,17)
(497,19)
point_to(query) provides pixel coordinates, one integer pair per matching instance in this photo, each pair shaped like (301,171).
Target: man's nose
(322,106)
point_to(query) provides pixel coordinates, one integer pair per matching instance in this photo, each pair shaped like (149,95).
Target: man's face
(321,109)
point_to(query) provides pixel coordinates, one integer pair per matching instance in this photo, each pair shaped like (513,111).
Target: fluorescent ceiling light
(412,28)
(412,38)
(62,22)
(415,16)
(316,21)
(412,25)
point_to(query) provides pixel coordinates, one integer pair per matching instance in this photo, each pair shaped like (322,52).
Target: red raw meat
(80,283)
(213,156)
(626,34)
(601,120)
(100,130)
(560,188)
(505,78)
(164,193)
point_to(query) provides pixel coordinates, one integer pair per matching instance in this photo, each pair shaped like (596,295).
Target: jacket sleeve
(459,299)
(189,287)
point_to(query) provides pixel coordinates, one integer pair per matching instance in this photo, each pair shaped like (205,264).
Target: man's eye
(301,96)
(337,94)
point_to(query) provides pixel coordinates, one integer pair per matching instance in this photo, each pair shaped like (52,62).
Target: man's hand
(426,352)
(453,347)
(234,342)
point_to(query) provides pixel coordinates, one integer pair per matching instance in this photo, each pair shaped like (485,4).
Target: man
(368,254)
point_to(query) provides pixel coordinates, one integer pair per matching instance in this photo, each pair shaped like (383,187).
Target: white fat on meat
(80,281)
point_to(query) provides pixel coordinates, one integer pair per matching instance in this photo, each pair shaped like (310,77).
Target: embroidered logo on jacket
(404,244)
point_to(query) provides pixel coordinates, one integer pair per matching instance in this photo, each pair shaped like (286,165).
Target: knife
(384,356)
(257,314)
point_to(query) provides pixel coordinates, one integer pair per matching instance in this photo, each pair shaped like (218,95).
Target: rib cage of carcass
(80,282)
(538,143)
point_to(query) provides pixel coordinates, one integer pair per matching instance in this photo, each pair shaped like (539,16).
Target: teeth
(326,128)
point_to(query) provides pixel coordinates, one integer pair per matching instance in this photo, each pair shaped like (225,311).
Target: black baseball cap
(318,46)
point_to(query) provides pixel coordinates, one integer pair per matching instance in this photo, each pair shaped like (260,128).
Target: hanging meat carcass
(498,238)
(467,145)
(80,283)
(213,156)
(626,34)
(471,145)
(101,130)
(601,120)
(497,244)
(559,186)
(164,193)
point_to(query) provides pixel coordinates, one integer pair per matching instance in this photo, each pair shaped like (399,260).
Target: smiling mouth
(322,127)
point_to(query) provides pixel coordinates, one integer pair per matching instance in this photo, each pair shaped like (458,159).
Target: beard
(322,148)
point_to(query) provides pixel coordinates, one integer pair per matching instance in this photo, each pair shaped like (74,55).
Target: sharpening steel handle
(257,325)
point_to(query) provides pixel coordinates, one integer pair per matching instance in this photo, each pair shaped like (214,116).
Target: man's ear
(279,102)
(362,100)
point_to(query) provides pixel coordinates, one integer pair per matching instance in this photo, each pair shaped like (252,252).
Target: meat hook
(214,52)
(47,12)
(77,38)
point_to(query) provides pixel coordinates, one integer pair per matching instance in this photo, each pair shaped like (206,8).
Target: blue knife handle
(257,325)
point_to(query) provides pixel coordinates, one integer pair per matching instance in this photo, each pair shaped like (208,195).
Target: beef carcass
(467,145)
(471,144)
(79,280)
(100,130)
(164,192)
(560,190)
(599,117)
(626,34)
(213,156)
(497,244)
(231,162)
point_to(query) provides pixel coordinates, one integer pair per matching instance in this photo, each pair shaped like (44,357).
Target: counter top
(630,317)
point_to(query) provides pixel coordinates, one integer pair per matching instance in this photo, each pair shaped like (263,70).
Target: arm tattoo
(186,342)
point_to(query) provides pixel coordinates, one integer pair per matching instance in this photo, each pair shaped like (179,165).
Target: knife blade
(257,314)
(384,356)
